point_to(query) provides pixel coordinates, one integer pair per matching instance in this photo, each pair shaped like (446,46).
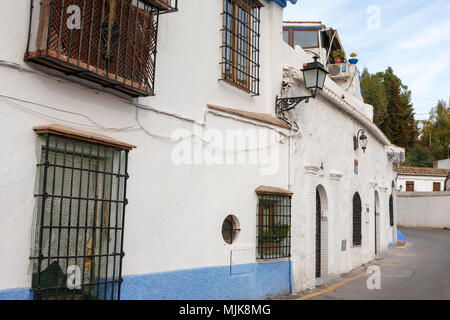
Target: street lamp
(314,75)
(362,140)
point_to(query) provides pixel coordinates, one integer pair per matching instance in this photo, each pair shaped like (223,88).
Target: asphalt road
(421,270)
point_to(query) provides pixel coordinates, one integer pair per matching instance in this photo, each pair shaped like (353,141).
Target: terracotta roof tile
(422,171)
(273,191)
(82,135)
(262,117)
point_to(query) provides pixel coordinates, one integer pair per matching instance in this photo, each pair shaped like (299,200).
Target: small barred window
(274,226)
(391,210)
(77,240)
(357,209)
(240,44)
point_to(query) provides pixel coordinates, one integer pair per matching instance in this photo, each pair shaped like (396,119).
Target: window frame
(233,232)
(391,210)
(106,232)
(279,212)
(244,50)
(409,185)
(356,224)
(436,184)
(292,36)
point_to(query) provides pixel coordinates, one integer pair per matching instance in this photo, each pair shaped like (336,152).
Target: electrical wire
(138,126)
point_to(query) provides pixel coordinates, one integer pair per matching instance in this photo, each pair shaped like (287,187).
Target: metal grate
(113,42)
(77,242)
(318,233)
(391,210)
(240,44)
(274,227)
(357,209)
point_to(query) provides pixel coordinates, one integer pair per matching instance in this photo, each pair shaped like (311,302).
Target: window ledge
(82,135)
(265,260)
(273,191)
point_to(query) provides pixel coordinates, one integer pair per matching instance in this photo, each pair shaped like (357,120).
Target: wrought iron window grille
(77,236)
(240,44)
(357,218)
(391,210)
(110,42)
(273,227)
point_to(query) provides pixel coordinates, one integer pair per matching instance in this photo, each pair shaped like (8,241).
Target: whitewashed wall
(421,183)
(327,139)
(175,213)
(424,209)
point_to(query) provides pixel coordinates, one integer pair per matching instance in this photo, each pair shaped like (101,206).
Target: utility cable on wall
(138,126)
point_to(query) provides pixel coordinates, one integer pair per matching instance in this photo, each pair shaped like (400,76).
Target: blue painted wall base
(247,281)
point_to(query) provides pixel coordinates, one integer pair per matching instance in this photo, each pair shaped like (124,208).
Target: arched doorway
(321,256)
(377,222)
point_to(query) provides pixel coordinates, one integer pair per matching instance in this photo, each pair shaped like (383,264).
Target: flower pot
(353,61)
(338,60)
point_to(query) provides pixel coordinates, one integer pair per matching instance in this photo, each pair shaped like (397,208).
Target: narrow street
(421,270)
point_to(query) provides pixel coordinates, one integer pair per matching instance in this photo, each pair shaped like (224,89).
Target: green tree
(436,131)
(419,157)
(393,110)
(375,95)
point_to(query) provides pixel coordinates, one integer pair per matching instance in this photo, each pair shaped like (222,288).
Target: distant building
(442,164)
(415,179)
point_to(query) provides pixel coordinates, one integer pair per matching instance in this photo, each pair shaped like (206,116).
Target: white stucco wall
(175,212)
(424,209)
(443,164)
(178,209)
(327,133)
(421,183)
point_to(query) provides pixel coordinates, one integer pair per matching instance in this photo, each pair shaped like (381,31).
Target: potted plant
(269,241)
(339,56)
(353,59)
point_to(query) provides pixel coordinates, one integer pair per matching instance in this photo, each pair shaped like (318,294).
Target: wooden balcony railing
(110,42)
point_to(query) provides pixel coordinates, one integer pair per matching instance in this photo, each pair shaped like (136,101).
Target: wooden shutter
(410,186)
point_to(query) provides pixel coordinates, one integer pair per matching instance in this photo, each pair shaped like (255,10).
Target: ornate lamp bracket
(286,104)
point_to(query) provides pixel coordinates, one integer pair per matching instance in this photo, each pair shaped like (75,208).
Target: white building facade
(179,183)
(415,179)
(442,164)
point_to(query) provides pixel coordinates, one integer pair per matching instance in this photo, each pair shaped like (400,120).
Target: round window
(230,229)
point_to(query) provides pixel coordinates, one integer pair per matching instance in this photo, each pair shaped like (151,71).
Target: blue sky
(413,38)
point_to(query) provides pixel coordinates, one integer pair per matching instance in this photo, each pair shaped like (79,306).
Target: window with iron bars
(110,42)
(274,227)
(240,44)
(357,210)
(77,240)
(391,210)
